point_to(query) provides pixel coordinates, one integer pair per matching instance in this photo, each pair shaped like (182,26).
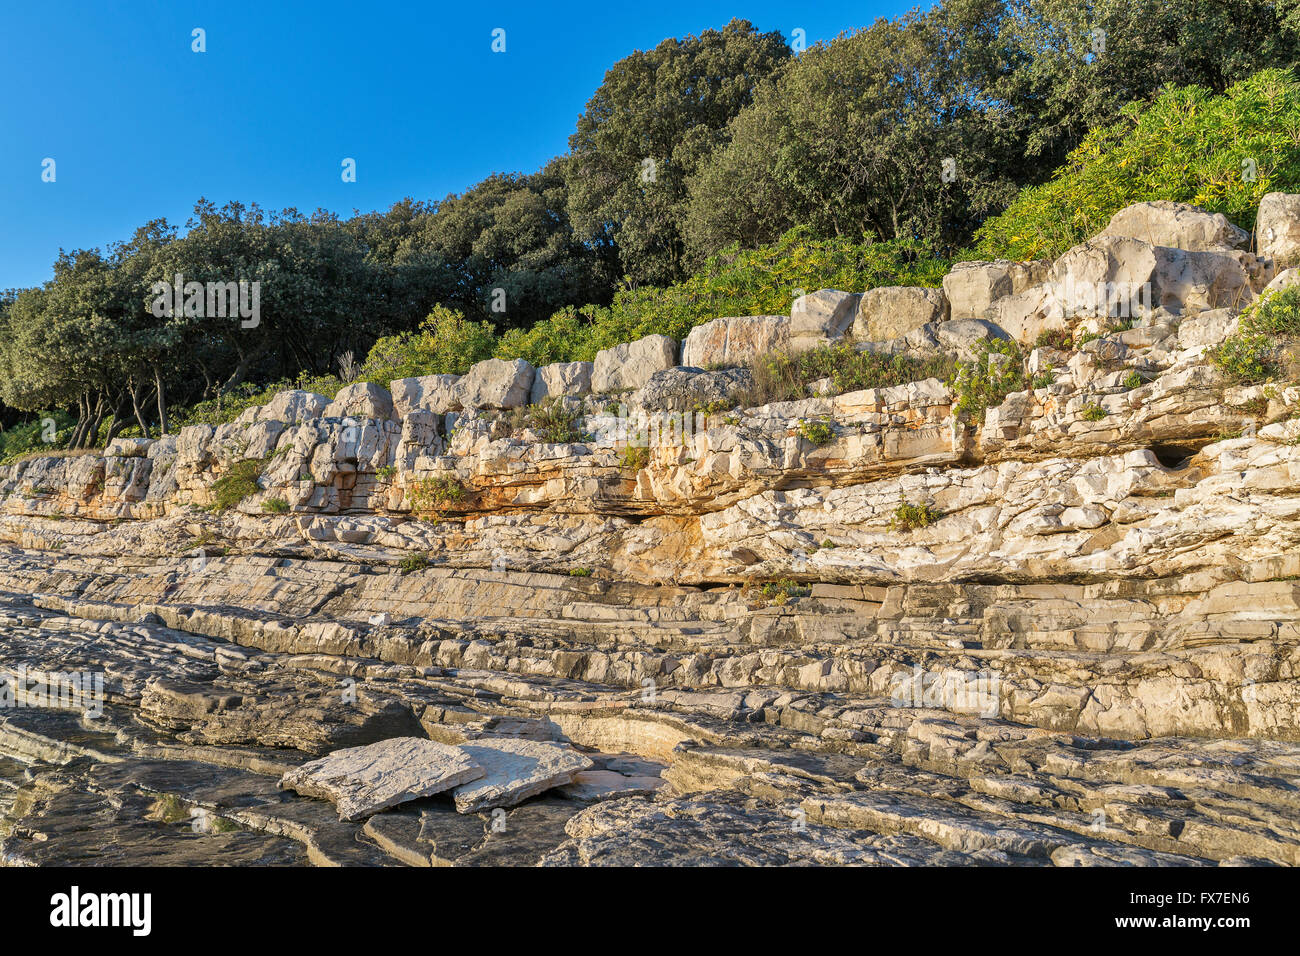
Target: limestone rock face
(735,340)
(821,318)
(361,400)
(430,393)
(361,781)
(561,380)
(691,389)
(515,770)
(1176,225)
(1277,229)
(936,626)
(630,365)
(496,383)
(890,312)
(973,288)
(293,406)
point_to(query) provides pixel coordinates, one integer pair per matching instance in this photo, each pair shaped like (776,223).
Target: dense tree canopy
(655,119)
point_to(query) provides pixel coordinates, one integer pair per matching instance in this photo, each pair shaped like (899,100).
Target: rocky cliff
(859,627)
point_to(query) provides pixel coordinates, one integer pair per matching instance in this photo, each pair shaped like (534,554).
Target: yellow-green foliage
(237,484)
(817,432)
(983,384)
(909,516)
(634,457)
(1222,153)
(1260,347)
(275,506)
(763,281)
(436,493)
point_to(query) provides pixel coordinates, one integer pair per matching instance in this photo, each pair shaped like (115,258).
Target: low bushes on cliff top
(1222,153)
(763,281)
(784,377)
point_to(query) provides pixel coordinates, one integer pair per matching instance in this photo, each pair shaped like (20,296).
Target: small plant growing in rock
(1059,339)
(236,484)
(772,593)
(1259,349)
(1133,380)
(1092,412)
(1044,378)
(985,383)
(275,506)
(828,543)
(386,472)
(908,517)
(818,432)
(437,493)
(413,562)
(580,573)
(550,419)
(634,457)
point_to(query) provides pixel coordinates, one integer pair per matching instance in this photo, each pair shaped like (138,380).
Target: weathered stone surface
(361,781)
(496,383)
(889,312)
(1277,229)
(561,380)
(1177,225)
(821,318)
(973,288)
(630,365)
(693,389)
(515,770)
(361,400)
(430,393)
(735,340)
(293,406)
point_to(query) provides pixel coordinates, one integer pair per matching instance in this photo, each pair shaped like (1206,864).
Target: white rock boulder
(630,365)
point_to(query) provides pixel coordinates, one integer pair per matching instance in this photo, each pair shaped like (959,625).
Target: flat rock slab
(516,770)
(361,781)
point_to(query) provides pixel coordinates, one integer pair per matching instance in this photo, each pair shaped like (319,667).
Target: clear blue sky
(140,126)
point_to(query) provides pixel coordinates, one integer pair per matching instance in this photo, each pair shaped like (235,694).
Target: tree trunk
(162,400)
(74,440)
(97,417)
(135,407)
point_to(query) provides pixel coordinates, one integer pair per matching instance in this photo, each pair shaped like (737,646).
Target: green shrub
(550,419)
(275,506)
(985,383)
(386,472)
(908,517)
(580,573)
(634,457)
(1092,412)
(783,377)
(1044,378)
(817,432)
(1277,314)
(734,281)
(777,592)
(446,344)
(436,493)
(1133,380)
(413,562)
(1247,358)
(238,483)
(25,438)
(1189,145)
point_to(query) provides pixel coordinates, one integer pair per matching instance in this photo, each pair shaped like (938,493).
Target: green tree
(655,119)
